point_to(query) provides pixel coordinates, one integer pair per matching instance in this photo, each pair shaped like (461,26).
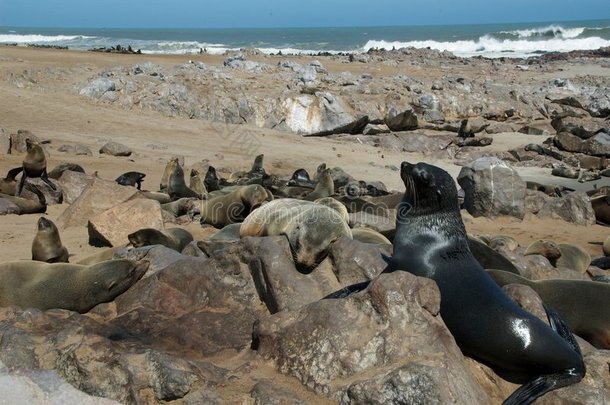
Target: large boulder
(73,184)
(51,196)
(492,188)
(98,87)
(574,208)
(355,348)
(111,227)
(97,197)
(597,145)
(582,128)
(116,149)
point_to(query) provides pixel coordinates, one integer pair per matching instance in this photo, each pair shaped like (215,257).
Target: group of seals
(31,284)
(431,242)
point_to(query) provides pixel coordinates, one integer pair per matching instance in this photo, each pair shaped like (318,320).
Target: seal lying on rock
(31,284)
(173,238)
(233,207)
(583,304)
(8,185)
(46,246)
(26,206)
(431,242)
(310,228)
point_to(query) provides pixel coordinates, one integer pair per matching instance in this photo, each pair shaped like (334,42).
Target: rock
(115,149)
(574,208)
(405,120)
(355,262)
(582,128)
(492,188)
(98,87)
(500,127)
(73,184)
(415,142)
(600,106)
(429,108)
(535,200)
(111,227)
(97,197)
(478,141)
(340,177)
(18,141)
(78,150)
(51,196)
(542,129)
(265,393)
(591,162)
(359,347)
(42,387)
(281,286)
(158,256)
(321,114)
(597,145)
(375,129)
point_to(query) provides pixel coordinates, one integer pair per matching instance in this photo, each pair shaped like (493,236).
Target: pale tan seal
(169,167)
(47,246)
(324,188)
(503,242)
(310,228)
(573,257)
(582,304)
(34,165)
(197,182)
(368,235)
(102,255)
(336,205)
(163,198)
(182,206)
(173,238)
(32,284)
(606,246)
(233,207)
(546,248)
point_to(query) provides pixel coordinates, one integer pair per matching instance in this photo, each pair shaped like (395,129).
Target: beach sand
(53,110)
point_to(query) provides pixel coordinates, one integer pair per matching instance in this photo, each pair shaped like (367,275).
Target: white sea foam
(554,30)
(491,47)
(33,38)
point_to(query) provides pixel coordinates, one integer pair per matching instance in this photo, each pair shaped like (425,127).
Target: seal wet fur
(431,241)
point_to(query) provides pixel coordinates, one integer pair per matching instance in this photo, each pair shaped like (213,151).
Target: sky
(287,13)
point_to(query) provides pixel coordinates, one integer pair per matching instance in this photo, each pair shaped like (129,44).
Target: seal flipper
(21,184)
(45,178)
(539,386)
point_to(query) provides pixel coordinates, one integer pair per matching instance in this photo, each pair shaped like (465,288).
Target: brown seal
(324,188)
(182,206)
(582,304)
(173,238)
(197,182)
(176,187)
(8,185)
(233,207)
(310,228)
(601,207)
(25,206)
(34,165)
(32,284)
(46,246)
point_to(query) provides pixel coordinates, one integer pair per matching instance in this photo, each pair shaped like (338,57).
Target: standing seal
(34,165)
(46,246)
(431,241)
(31,284)
(324,188)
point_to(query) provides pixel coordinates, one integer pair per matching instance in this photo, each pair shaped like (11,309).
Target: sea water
(497,40)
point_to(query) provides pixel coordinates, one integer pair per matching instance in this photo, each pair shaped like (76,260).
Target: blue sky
(286,13)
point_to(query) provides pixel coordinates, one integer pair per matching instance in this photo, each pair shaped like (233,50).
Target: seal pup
(309,227)
(8,185)
(211,180)
(32,284)
(301,178)
(47,246)
(324,188)
(233,207)
(197,183)
(26,206)
(582,304)
(431,241)
(34,165)
(131,179)
(173,238)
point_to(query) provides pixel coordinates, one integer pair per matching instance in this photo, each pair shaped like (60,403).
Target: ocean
(496,40)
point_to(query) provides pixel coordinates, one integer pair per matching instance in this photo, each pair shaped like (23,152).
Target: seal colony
(431,241)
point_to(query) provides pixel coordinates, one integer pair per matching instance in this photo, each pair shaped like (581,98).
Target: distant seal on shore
(310,228)
(173,238)
(132,179)
(233,207)
(324,188)
(8,185)
(431,241)
(582,304)
(47,246)
(25,206)
(176,187)
(562,170)
(32,284)
(34,165)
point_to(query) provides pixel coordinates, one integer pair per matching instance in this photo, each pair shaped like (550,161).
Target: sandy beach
(40,94)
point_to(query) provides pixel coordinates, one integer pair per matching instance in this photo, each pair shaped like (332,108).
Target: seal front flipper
(45,178)
(349,290)
(528,392)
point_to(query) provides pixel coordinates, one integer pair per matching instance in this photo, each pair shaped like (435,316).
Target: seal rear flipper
(45,178)
(529,392)
(347,291)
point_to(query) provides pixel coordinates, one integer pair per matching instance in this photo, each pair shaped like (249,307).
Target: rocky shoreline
(237,322)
